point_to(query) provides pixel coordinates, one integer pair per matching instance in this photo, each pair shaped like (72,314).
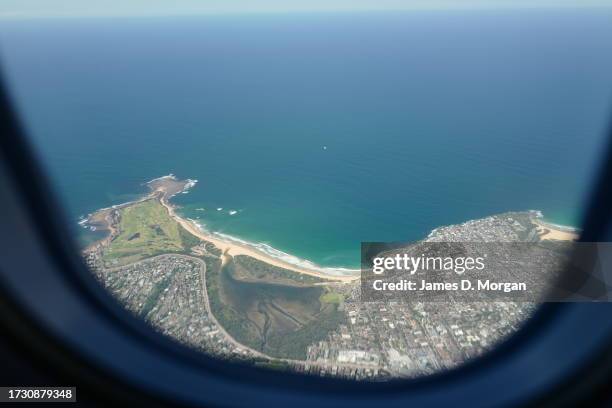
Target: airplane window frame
(34,225)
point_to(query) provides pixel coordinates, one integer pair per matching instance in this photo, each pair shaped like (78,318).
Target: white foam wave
(276,253)
(122,204)
(540,216)
(191,183)
(170,176)
(201,227)
(285,257)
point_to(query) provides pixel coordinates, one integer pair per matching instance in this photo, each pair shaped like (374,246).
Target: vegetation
(294,345)
(235,324)
(332,297)
(274,365)
(281,320)
(155,294)
(189,240)
(146,229)
(267,308)
(251,269)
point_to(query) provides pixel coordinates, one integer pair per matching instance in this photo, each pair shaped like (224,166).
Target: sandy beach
(551,232)
(233,249)
(164,188)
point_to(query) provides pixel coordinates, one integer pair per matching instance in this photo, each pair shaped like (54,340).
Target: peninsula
(162,190)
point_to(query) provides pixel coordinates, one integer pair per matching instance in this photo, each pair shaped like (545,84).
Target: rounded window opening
(225,172)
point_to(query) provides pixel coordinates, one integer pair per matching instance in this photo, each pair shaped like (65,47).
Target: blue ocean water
(321,130)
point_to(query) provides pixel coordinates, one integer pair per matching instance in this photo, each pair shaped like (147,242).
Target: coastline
(234,249)
(165,187)
(550,231)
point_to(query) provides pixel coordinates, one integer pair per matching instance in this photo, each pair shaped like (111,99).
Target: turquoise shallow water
(324,130)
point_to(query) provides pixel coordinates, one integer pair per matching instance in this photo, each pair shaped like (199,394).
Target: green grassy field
(146,230)
(332,297)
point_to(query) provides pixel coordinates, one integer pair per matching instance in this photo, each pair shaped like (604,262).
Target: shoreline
(234,249)
(549,231)
(165,187)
